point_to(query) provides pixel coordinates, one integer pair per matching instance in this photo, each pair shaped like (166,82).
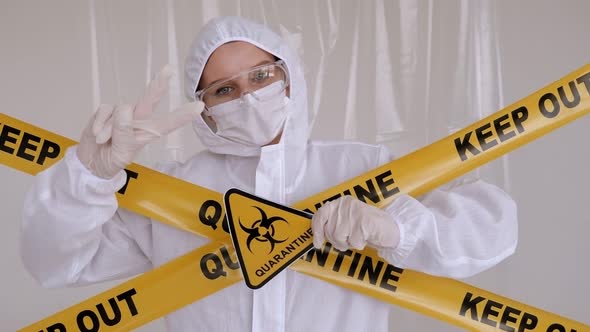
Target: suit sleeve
(73,232)
(456,230)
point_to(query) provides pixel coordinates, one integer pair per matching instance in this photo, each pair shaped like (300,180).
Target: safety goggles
(251,81)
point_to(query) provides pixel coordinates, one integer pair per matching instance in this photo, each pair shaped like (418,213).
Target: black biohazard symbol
(263,230)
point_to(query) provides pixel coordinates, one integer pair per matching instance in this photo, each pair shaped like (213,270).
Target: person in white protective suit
(249,108)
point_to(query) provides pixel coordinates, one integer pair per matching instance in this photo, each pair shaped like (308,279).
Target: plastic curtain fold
(387,66)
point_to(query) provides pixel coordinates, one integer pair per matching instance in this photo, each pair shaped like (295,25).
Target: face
(230,59)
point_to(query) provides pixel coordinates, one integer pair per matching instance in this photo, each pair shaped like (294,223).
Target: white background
(47,80)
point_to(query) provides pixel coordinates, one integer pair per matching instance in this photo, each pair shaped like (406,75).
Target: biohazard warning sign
(267,236)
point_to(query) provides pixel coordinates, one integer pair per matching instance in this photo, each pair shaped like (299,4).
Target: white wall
(44,63)
(542,41)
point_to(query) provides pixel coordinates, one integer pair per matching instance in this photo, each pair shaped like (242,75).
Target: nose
(246,97)
(243,88)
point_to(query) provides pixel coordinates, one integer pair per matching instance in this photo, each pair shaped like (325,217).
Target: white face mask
(250,121)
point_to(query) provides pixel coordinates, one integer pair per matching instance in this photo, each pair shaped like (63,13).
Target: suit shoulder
(178,169)
(344,145)
(349,152)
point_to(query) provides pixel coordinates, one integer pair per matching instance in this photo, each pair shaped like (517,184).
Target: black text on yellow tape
(27,146)
(504,317)
(356,265)
(107,314)
(149,296)
(441,298)
(414,174)
(506,126)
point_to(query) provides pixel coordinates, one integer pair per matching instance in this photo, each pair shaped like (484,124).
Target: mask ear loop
(206,116)
(206,111)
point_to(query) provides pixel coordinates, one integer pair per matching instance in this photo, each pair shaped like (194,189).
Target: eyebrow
(224,78)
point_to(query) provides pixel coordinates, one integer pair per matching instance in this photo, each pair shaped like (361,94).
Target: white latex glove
(115,134)
(349,223)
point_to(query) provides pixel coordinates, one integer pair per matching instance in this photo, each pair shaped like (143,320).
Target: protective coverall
(73,232)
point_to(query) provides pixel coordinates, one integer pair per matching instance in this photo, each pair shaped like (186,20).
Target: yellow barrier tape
(144,298)
(547,109)
(445,299)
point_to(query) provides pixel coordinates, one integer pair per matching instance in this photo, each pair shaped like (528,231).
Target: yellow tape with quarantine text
(213,267)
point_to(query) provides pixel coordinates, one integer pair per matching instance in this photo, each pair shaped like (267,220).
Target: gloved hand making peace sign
(116,133)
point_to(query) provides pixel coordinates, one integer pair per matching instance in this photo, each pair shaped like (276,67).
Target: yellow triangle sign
(268,237)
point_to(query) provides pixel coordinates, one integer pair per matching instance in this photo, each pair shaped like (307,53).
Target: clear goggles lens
(250,81)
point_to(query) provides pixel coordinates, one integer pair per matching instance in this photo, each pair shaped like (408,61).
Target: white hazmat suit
(73,232)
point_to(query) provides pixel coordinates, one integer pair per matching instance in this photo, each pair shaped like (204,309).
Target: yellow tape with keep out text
(213,267)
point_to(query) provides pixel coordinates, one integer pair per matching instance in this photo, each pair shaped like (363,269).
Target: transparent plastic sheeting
(377,71)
